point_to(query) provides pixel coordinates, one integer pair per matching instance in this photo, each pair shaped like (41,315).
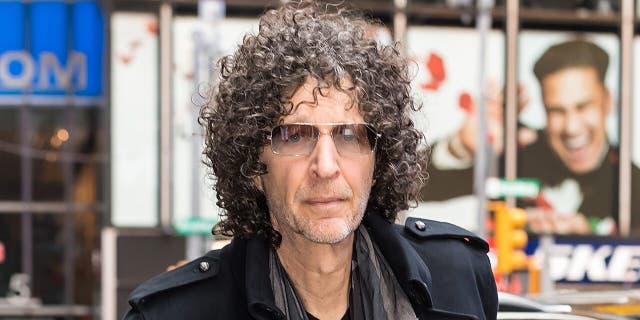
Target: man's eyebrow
(585,102)
(580,104)
(553,107)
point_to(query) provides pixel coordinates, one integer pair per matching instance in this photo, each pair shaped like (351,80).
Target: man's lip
(571,144)
(323,200)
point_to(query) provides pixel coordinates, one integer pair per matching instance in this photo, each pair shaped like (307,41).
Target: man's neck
(320,274)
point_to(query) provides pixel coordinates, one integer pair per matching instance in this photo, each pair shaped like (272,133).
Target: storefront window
(51,158)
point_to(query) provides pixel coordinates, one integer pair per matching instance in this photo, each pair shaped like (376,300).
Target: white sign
(586,262)
(47,67)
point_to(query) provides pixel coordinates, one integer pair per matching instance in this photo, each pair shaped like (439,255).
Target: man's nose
(573,123)
(325,158)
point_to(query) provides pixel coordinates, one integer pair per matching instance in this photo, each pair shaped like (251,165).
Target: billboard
(568,133)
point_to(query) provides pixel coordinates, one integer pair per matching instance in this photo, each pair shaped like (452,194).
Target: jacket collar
(409,268)
(260,299)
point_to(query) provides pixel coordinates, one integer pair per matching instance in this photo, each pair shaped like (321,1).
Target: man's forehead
(315,99)
(573,81)
(324,113)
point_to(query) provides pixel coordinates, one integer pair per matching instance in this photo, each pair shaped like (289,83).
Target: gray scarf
(374,290)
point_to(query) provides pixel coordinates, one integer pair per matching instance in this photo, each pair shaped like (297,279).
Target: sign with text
(598,260)
(51,52)
(195,225)
(516,188)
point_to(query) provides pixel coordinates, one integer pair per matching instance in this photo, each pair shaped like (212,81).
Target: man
(309,137)
(571,157)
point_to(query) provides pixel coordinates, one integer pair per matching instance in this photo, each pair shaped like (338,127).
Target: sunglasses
(299,139)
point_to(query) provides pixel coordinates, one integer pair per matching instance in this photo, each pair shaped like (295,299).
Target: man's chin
(328,233)
(582,161)
(583,166)
(582,170)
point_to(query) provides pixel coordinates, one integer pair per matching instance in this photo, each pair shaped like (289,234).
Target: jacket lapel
(251,266)
(409,268)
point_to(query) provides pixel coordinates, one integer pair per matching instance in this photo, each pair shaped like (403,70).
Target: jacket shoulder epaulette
(431,229)
(199,269)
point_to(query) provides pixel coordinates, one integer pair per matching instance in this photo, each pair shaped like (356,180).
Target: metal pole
(69,217)
(69,181)
(511,94)
(166,13)
(26,172)
(26,168)
(483,148)
(626,78)
(104,121)
(195,243)
(207,38)
(400,24)
(547,284)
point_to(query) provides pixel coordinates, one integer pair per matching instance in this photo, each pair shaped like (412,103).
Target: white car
(513,307)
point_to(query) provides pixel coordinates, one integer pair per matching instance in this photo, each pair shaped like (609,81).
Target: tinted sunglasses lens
(354,139)
(293,139)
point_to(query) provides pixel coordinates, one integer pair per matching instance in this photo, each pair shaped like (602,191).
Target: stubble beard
(329,231)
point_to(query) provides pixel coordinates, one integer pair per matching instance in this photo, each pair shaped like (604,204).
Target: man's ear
(257,181)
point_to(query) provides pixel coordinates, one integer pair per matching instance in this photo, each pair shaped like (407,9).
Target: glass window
(10,154)
(63,246)
(11,249)
(58,136)
(50,159)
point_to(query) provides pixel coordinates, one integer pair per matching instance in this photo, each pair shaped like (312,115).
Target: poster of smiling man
(567,136)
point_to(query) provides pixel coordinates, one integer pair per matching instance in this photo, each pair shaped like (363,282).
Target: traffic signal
(510,238)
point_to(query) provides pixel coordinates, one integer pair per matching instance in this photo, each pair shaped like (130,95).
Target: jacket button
(204,266)
(420,225)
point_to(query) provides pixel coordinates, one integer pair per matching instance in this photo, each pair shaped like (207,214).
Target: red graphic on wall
(467,104)
(126,58)
(435,67)
(465,101)
(151,27)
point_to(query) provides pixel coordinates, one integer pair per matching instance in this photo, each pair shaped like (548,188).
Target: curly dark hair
(299,40)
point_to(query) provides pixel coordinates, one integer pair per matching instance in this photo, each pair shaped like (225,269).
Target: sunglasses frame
(369,127)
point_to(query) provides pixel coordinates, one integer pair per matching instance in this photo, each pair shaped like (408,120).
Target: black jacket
(443,269)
